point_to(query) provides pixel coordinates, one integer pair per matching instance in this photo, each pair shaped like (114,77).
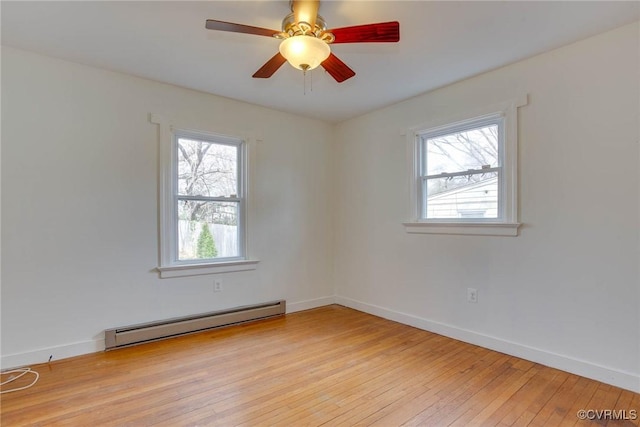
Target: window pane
(460,151)
(207,230)
(207,169)
(470,196)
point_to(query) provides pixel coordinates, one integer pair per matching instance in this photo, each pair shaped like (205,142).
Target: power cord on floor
(21,372)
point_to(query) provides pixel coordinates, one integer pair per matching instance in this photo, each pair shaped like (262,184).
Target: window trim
(169,265)
(507,222)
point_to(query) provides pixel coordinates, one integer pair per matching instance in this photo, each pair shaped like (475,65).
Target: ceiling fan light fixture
(304,52)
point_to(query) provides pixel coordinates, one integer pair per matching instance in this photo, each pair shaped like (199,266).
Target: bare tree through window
(207,197)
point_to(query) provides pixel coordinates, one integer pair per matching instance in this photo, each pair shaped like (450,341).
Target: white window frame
(170,265)
(504,114)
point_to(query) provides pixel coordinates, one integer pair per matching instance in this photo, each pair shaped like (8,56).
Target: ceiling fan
(306,40)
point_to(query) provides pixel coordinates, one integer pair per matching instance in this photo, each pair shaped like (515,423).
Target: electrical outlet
(217,285)
(472,295)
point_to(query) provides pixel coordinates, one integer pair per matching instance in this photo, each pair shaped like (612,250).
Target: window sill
(465,228)
(212,268)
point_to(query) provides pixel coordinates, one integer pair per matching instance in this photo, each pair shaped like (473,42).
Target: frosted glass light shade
(304,52)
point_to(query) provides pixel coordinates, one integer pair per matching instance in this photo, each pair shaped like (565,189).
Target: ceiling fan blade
(270,67)
(305,11)
(212,24)
(338,69)
(369,33)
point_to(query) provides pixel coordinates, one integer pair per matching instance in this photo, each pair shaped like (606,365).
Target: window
(203,202)
(465,176)
(461,171)
(208,198)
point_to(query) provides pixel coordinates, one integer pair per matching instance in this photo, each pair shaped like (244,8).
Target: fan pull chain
(304,81)
(304,68)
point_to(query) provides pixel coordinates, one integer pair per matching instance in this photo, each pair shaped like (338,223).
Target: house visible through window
(461,170)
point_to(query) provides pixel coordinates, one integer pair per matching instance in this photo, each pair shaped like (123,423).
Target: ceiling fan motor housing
(291,28)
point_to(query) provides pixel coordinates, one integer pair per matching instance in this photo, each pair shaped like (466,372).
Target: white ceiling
(440,43)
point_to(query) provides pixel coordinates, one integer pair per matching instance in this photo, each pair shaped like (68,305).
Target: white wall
(565,292)
(79,206)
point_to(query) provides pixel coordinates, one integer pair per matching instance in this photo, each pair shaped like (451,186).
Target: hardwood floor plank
(459,381)
(635,405)
(581,402)
(501,404)
(564,411)
(329,366)
(505,409)
(257,399)
(554,379)
(333,392)
(632,411)
(556,404)
(342,372)
(433,373)
(370,403)
(503,386)
(605,397)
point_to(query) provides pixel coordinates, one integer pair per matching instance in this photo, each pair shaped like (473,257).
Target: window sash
(216,259)
(239,198)
(459,127)
(425,201)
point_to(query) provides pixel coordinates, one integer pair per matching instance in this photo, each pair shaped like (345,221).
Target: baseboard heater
(137,334)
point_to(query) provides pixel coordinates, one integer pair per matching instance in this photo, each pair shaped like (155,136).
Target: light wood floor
(329,366)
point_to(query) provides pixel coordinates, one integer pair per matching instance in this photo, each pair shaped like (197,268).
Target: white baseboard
(309,304)
(622,379)
(58,352)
